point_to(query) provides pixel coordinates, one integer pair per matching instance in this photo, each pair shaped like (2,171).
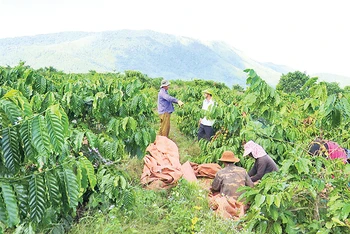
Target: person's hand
(180,103)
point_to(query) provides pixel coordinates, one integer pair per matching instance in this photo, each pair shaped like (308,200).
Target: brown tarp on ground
(163,169)
(207,170)
(226,207)
(188,172)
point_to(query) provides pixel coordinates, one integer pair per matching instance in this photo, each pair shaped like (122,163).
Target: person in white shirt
(206,130)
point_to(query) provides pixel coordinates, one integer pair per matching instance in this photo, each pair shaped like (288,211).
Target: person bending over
(263,162)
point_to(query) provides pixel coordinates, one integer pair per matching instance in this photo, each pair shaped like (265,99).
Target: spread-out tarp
(188,172)
(207,170)
(226,207)
(162,164)
(162,167)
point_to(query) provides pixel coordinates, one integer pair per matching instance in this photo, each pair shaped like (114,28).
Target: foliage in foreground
(307,194)
(66,138)
(182,209)
(62,140)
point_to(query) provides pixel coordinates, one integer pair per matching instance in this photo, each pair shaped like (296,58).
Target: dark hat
(228,156)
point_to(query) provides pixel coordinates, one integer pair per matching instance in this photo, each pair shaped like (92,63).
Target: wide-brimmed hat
(164,83)
(228,156)
(209,91)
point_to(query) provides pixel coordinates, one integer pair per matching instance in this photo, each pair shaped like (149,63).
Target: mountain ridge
(152,53)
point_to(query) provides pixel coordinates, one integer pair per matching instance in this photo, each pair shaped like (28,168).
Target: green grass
(188,147)
(182,209)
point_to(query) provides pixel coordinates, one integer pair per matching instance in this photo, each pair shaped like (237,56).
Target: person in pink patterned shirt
(327,148)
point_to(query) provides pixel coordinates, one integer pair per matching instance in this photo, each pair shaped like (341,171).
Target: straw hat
(208,91)
(228,156)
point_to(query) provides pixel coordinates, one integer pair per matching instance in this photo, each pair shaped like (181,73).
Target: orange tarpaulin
(162,166)
(163,163)
(207,170)
(226,207)
(188,172)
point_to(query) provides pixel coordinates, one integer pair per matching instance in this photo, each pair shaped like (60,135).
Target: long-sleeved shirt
(205,106)
(229,179)
(262,166)
(165,102)
(336,152)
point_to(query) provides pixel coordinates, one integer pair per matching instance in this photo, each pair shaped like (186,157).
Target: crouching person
(226,182)
(263,162)
(328,149)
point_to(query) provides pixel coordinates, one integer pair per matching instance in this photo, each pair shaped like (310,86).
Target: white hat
(164,83)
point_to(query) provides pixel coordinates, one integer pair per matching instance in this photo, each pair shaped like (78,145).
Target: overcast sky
(307,35)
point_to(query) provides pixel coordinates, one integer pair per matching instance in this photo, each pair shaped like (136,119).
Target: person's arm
(167,97)
(203,108)
(216,183)
(203,105)
(248,181)
(261,166)
(253,170)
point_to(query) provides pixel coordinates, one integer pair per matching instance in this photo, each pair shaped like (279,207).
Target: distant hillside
(279,68)
(155,54)
(342,80)
(152,53)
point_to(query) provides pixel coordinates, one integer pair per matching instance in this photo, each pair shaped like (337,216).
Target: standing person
(165,108)
(263,162)
(230,178)
(206,130)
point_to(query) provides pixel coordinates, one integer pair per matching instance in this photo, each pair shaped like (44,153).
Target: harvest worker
(328,149)
(231,177)
(165,108)
(263,162)
(206,130)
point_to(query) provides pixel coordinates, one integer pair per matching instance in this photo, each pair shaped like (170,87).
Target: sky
(311,36)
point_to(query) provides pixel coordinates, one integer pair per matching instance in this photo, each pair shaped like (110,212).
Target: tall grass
(182,209)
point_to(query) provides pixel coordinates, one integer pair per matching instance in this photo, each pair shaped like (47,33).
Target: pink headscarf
(254,148)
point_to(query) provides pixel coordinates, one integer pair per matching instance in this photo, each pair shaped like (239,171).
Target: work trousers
(164,124)
(205,132)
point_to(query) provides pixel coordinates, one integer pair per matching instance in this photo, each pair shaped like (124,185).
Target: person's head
(165,84)
(254,149)
(207,93)
(319,139)
(228,157)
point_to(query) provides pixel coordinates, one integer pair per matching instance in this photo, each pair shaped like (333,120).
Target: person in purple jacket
(165,108)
